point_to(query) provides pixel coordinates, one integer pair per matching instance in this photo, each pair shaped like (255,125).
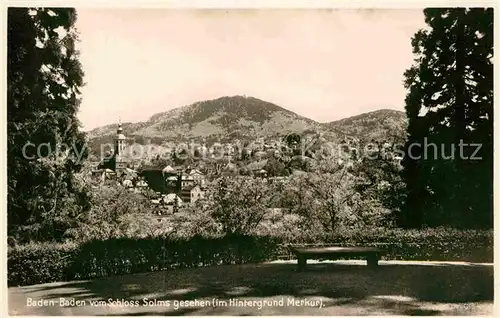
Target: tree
(44,146)
(292,140)
(239,204)
(181,157)
(115,212)
(329,199)
(381,172)
(276,168)
(450,102)
(195,221)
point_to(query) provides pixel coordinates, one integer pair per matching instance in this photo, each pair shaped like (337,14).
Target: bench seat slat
(371,253)
(333,250)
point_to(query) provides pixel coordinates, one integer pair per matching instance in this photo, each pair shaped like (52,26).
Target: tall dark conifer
(449,103)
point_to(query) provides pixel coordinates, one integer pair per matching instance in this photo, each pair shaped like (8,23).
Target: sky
(324,64)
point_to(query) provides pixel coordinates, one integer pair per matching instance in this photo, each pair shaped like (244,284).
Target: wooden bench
(371,254)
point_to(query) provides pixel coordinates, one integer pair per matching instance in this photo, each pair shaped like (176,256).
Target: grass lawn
(327,288)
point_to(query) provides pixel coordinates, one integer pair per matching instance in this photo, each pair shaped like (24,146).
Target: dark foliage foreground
(47,262)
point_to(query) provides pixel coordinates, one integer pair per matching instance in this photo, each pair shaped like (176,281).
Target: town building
(172,199)
(192,194)
(168,171)
(141,184)
(261,173)
(187,181)
(167,204)
(197,176)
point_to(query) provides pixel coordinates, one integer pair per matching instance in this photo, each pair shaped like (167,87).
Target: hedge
(44,263)
(39,263)
(434,244)
(49,262)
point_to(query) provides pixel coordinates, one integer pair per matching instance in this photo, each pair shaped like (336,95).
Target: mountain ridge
(244,117)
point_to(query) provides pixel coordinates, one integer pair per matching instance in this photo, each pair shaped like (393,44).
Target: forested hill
(248,117)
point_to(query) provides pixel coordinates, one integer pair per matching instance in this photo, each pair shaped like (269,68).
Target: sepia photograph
(198,161)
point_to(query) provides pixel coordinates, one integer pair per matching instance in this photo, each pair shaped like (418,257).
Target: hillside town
(172,187)
(175,186)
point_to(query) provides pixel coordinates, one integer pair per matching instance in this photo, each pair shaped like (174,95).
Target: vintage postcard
(249,160)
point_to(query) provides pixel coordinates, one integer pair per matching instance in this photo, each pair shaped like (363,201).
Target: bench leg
(301,263)
(372,260)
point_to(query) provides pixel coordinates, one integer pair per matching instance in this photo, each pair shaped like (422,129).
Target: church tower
(119,140)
